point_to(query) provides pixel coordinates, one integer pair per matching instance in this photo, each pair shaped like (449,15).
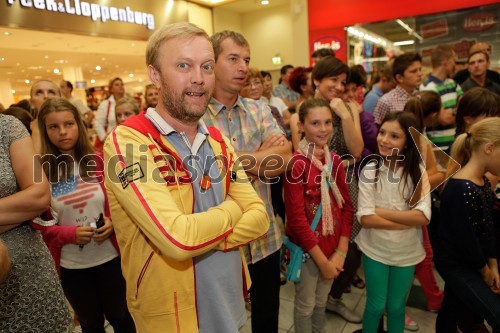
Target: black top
(464,74)
(466,230)
(488,84)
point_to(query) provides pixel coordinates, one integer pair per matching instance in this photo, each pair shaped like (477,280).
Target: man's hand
(272,141)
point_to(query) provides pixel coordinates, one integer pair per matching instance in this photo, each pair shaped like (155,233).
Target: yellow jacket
(151,203)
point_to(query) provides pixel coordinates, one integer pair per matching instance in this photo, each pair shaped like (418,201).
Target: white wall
(227,20)
(279,30)
(201,16)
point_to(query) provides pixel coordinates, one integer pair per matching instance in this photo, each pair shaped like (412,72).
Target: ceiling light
(140,80)
(264,2)
(2,59)
(13,91)
(97,68)
(131,75)
(6,33)
(46,57)
(56,71)
(92,81)
(411,32)
(27,81)
(404,42)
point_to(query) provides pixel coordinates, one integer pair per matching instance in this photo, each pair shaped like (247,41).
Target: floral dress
(31,298)
(337,144)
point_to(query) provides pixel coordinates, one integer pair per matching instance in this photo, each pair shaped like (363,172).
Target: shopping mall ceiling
(27,55)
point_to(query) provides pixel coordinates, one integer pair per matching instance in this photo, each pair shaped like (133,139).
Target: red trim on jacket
(138,124)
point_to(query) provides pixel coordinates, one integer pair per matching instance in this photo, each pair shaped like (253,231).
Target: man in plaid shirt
(407,71)
(256,137)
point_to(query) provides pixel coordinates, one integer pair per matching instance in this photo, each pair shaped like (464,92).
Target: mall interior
(89,43)
(89,51)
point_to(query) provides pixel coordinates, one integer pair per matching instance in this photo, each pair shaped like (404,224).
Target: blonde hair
(129,100)
(482,132)
(177,30)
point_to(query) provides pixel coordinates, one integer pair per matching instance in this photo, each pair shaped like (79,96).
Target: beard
(177,106)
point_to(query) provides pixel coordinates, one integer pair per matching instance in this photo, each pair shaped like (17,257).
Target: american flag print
(74,192)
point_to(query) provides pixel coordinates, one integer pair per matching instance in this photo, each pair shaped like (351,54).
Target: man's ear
(154,76)
(398,78)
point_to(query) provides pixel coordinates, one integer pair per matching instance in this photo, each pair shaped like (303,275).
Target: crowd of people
(173,218)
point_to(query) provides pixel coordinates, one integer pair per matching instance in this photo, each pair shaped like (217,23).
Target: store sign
(105,18)
(435,29)
(461,49)
(479,22)
(92,10)
(328,42)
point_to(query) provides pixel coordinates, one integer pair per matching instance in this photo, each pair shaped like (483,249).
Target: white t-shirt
(276,102)
(391,247)
(82,108)
(79,203)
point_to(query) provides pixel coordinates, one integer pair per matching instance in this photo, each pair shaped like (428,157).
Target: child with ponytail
(425,105)
(465,255)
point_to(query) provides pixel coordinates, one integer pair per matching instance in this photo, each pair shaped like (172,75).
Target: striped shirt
(247,124)
(448,89)
(450,92)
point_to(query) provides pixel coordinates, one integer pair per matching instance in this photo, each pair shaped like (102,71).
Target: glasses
(254,83)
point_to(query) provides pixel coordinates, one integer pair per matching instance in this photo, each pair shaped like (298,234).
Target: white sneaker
(338,307)
(410,324)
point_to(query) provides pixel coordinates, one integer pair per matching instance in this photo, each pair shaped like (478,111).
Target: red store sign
(479,22)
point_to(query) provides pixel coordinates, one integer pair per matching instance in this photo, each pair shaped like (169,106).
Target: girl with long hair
(85,251)
(425,105)
(393,203)
(317,179)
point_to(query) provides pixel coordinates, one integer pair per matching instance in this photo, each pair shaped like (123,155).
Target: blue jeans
(465,292)
(386,289)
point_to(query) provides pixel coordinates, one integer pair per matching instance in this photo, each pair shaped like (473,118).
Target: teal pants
(386,290)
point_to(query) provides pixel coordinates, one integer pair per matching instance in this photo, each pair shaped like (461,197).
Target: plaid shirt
(283,91)
(247,124)
(393,101)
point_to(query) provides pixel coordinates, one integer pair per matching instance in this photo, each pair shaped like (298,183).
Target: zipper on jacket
(143,272)
(176,309)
